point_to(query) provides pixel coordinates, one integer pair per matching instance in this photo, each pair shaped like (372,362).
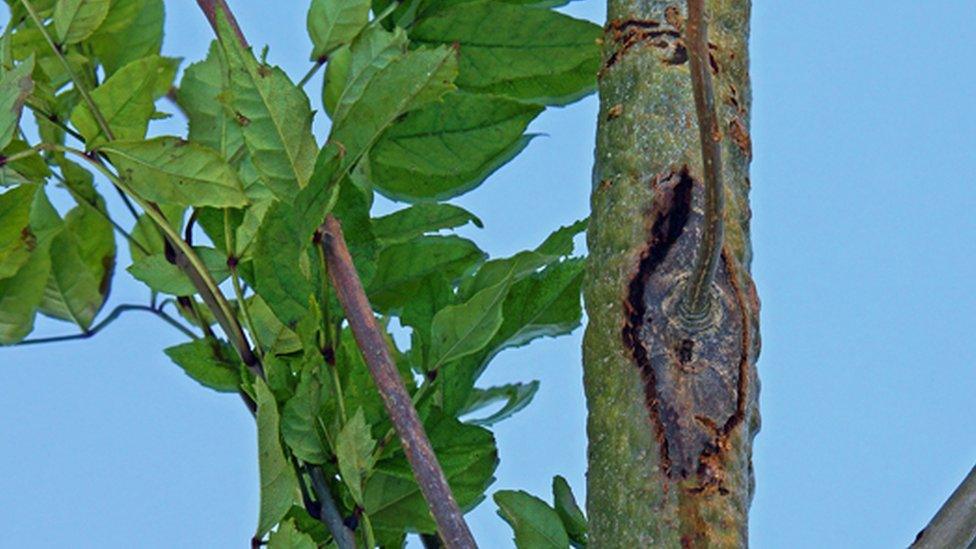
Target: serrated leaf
(279,485)
(16,239)
(353,67)
(536,525)
(546,303)
(332,23)
(354,448)
(464,329)
(202,97)
(449,147)
(148,240)
(75,20)
(126,100)
(466,453)
(162,276)
(527,53)
(300,420)
(132,30)
(21,294)
(516,397)
(174,171)
(402,268)
(557,245)
(274,115)
(419,219)
(279,275)
(572,517)
(408,82)
(16,86)
(82,264)
(287,536)
(217,368)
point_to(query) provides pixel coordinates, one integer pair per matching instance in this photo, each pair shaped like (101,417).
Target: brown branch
(373,345)
(696,301)
(954,525)
(210,7)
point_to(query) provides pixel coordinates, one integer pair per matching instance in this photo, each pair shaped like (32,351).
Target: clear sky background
(864,127)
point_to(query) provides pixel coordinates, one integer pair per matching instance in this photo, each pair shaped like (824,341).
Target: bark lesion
(695,382)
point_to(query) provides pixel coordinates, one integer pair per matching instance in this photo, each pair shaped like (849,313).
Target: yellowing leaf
(126,100)
(274,115)
(75,20)
(170,170)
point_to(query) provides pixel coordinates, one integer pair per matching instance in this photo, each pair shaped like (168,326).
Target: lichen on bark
(647,138)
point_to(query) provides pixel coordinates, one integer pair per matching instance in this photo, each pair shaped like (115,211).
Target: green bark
(637,496)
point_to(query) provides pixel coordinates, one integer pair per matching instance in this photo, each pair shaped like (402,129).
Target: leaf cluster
(426,98)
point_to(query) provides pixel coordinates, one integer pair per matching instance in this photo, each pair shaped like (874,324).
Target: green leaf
(557,245)
(217,368)
(16,86)
(75,20)
(126,100)
(408,82)
(536,525)
(278,482)
(300,419)
(572,517)
(274,115)
(543,304)
(148,236)
(402,268)
(463,329)
(546,303)
(516,397)
(202,96)
(281,265)
(353,67)
(419,219)
(449,147)
(287,536)
(527,53)
(21,293)
(332,23)
(354,449)
(82,264)
(132,30)
(16,239)
(171,170)
(272,334)
(162,276)
(468,457)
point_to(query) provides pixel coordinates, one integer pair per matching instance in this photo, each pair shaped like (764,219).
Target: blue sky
(863,198)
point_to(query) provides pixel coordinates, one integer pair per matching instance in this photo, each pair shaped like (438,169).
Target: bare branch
(116,313)
(954,525)
(399,406)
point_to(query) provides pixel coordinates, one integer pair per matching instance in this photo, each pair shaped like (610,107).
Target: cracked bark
(672,414)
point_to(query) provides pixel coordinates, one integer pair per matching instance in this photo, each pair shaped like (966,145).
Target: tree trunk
(673,408)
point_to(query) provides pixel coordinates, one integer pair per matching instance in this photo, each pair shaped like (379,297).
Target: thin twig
(696,301)
(311,72)
(954,525)
(373,345)
(329,513)
(116,313)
